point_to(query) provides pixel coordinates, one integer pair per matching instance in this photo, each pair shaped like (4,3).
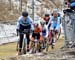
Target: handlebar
(26,31)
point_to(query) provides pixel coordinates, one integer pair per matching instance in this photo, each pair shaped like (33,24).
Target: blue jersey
(25,24)
(55,22)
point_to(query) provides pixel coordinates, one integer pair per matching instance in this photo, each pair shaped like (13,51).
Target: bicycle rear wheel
(59,33)
(52,44)
(47,44)
(33,47)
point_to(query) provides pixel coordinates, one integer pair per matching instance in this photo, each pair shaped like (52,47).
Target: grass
(10,49)
(58,44)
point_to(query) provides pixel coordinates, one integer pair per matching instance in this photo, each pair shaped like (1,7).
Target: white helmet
(55,10)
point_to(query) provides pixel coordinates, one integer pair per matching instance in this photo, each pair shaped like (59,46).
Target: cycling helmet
(46,15)
(46,18)
(25,14)
(55,10)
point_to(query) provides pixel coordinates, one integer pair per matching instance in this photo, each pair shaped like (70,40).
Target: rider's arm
(19,22)
(46,31)
(18,26)
(59,18)
(49,23)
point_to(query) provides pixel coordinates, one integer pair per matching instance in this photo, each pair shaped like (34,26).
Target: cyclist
(44,33)
(44,29)
(47,20)
(24,22)
(55,22)
(36,33)
(47,23)
(37,30)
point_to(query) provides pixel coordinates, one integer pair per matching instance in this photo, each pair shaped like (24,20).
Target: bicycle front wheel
(24,47)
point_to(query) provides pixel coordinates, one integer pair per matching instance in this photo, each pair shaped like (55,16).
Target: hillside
(10,10)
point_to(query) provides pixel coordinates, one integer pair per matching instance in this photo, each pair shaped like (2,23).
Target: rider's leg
(31,40)
(38,45)
(30,44)
(56,33)
(28,40)
(20,43)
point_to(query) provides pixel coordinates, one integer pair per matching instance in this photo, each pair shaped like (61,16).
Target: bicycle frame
(52,35)
(35,45)
(24,45)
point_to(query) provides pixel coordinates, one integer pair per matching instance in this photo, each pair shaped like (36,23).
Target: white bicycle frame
(24,43)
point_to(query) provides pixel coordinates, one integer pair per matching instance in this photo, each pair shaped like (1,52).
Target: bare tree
(10,5)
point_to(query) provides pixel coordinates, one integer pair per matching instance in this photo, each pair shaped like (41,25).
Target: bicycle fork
(24,45)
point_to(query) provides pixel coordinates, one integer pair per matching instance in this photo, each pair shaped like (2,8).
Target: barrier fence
(69,27)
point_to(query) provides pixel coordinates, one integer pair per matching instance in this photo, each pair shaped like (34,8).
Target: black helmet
(47,15)
(25,14)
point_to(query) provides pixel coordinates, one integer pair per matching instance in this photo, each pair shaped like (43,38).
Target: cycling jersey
(38,29)
(47,22)
(55,22)
(24,24)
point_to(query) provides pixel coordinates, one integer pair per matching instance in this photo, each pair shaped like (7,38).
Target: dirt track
(56,54)
(10,49)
